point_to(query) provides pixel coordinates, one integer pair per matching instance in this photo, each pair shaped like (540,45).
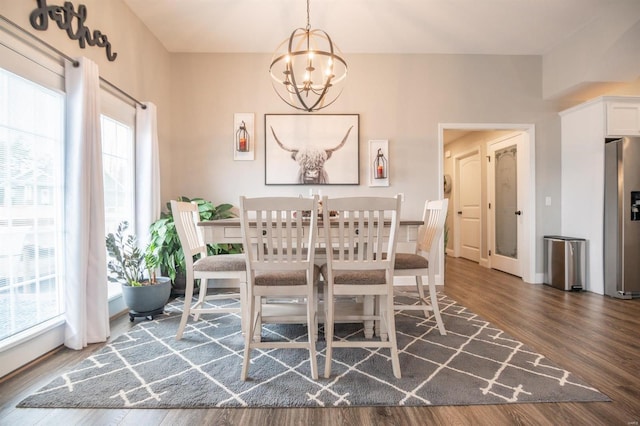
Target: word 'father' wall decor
(72,22)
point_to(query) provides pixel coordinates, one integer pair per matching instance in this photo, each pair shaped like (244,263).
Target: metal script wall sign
(72,22)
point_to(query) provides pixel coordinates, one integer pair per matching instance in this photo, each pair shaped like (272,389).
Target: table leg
(368,308)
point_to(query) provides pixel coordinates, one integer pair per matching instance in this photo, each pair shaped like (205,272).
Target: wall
(602,55)
(141,68)
(401,98)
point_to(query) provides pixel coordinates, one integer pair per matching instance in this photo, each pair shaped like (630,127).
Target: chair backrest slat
(363,236)
(186,217)
(279,232)
(434,217)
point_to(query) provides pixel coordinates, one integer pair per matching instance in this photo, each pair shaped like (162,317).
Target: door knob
(519,212)
(460,212)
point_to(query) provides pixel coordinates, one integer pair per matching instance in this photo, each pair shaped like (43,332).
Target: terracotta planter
(147,300)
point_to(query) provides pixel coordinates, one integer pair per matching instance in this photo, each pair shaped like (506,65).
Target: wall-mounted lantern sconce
(379,162)
(380,165)
(243,140)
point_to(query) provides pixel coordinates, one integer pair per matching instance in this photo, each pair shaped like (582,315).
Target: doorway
(454,157)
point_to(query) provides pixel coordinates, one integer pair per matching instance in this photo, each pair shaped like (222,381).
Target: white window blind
(31,185)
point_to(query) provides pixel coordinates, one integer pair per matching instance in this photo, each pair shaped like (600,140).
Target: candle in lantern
(380,172)
(243,144)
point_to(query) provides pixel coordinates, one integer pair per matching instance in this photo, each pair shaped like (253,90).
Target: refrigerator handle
(570,264)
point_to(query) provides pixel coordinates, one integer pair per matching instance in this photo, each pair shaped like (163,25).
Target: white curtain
(148,204)
(87,311)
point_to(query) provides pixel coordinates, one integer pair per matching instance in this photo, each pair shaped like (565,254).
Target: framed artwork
(318,149)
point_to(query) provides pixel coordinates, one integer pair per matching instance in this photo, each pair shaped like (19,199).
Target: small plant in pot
(144,294)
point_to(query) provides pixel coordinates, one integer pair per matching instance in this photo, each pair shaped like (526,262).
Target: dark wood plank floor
(595,337)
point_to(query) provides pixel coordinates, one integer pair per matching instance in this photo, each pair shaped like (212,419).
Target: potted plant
(144,294)
(165,244)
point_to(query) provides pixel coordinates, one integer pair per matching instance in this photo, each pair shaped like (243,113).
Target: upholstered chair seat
(365,277)
(226,262)
(285,278)
(410,261)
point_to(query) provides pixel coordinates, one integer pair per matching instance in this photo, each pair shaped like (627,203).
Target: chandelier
(307,69)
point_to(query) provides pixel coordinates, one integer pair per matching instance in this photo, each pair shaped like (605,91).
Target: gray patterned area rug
(475,363)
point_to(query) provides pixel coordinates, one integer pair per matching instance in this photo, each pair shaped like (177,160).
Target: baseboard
(539,278)
(116,306)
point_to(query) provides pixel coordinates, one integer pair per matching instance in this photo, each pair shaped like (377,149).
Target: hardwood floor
(595,337)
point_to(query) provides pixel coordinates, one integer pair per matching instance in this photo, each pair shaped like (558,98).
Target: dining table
(228,231)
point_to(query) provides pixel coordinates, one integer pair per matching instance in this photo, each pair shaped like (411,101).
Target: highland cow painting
(319,149)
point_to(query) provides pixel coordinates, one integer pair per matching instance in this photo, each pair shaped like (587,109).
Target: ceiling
(501,27)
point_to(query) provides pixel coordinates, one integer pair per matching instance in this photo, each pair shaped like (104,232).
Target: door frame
(456,200)
(529,207)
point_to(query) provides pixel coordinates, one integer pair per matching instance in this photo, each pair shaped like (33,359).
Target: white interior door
(505,200)
(469,190)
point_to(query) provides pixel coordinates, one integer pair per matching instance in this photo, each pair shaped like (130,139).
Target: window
(31,158)
(32,118)
(118,165)
(118,169)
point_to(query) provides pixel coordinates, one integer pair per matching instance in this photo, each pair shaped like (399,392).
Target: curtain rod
(70,59)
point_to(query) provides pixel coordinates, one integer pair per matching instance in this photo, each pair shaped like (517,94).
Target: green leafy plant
(128,263)
(165,243)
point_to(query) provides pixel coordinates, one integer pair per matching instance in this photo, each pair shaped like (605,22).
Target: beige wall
(401,98)
(602,55)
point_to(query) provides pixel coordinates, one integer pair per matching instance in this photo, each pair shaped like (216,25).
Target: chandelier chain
(308,21)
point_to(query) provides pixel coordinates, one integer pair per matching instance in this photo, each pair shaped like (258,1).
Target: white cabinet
(623,118)
(584,129)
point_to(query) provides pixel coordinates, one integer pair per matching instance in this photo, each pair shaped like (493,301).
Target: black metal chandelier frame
(293,80)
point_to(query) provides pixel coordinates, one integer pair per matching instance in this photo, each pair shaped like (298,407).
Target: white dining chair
(360,247)
(280,265)
(227,271)
(422,262)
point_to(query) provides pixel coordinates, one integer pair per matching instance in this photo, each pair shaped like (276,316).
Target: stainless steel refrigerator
(622,217)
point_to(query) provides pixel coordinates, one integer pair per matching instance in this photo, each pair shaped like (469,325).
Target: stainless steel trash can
(565,267)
